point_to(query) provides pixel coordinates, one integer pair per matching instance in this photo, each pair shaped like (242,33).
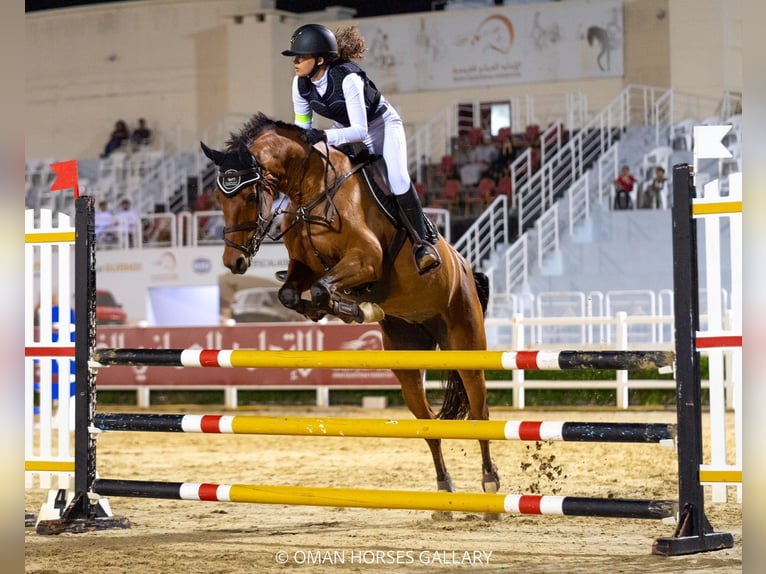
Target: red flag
(66,176)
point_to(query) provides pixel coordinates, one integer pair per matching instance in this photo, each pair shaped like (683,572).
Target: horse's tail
(482,288)
(456,405)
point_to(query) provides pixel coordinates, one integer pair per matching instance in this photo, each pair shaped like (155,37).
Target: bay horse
(345,253)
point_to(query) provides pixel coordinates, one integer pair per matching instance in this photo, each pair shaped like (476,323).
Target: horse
(345,252)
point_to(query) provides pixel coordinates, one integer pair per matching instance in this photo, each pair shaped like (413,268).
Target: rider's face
(303,64)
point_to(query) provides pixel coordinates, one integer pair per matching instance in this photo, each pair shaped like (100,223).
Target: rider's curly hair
(351,45)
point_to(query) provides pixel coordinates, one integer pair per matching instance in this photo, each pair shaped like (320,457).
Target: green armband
(302,118)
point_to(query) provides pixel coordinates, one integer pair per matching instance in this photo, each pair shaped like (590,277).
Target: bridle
(232,182)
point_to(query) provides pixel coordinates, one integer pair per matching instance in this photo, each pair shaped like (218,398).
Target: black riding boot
(425,254)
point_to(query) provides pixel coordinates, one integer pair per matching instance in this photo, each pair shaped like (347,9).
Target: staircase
(581,245)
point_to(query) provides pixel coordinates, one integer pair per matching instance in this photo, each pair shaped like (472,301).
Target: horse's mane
(254,127)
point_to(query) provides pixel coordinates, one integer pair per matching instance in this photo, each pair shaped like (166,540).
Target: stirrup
(427,259)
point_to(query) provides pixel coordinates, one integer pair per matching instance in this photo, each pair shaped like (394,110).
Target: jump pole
(694,533)
(390,499)
(447,360)
(383,428)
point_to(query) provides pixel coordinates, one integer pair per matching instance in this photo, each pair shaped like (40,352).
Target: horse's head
(246,194)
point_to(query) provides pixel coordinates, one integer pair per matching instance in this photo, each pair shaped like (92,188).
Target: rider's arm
(300,107)
(353,93)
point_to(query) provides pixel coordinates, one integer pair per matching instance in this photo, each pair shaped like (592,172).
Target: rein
(327,218)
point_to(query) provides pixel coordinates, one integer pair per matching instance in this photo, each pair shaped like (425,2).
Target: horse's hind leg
(413,391)
(476,390)
(398,335)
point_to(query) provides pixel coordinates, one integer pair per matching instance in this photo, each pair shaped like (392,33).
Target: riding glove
(313,136)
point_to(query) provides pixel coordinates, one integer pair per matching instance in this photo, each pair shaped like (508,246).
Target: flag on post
(707,142)
(66,176)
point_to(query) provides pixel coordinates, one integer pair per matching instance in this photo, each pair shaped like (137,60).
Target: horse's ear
(213,155)
(245,155)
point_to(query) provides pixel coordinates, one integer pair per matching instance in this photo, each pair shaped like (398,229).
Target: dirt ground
(190,537)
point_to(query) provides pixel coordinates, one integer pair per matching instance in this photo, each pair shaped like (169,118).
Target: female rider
(328,83)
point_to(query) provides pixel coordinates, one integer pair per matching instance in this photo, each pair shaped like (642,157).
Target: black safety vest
(333,105)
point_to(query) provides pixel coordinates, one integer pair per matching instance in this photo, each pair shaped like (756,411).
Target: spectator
(502,164)
(482,157)
(142,135)
(623,186)
(127,224)
(104,225)
(652,198)
(119,136)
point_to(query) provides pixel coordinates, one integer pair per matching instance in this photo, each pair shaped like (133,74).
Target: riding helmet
(312,39)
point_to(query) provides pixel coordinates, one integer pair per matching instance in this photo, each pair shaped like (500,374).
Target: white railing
(578,197)
(49,350)
(547,235)
(200,228)
(515,267)
(607,169)
(481,238)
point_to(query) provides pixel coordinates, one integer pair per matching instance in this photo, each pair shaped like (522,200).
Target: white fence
(48,350)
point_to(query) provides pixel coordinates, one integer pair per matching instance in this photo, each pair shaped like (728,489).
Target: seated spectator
(623,186)
(652,198)
(104,225)
(482,157)
(127,224)
(142,135)
(508,152)
(119,136)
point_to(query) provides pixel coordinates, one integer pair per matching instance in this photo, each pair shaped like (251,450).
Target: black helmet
(312,39)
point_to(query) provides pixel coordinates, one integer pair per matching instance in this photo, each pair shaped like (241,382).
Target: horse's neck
(313,180)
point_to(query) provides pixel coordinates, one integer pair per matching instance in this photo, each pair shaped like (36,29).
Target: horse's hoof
(372,312)
(441,516)
(491,488)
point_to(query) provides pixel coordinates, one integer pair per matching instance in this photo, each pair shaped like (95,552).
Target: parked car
(260,304)
(108,310)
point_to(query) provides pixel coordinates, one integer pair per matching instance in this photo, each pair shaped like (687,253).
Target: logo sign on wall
(485,47)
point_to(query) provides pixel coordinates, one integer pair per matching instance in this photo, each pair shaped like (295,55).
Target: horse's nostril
(241,265)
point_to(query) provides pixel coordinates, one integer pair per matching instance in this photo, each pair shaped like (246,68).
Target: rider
(327,82)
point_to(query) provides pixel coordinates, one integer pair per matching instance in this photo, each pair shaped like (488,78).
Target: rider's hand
(313,136)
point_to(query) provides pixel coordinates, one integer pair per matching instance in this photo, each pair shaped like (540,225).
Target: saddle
(375,176)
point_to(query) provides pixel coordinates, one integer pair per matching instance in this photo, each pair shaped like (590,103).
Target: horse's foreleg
(290,294)
(358,266)
(350,311)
